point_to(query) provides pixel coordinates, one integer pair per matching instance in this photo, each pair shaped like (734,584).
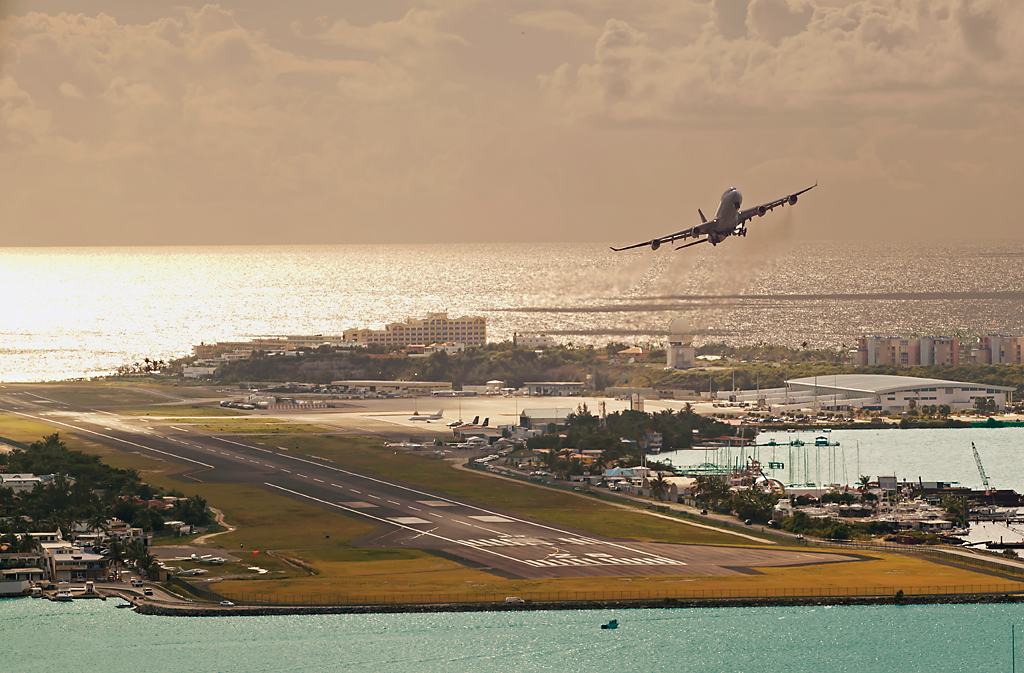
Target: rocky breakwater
(195,610)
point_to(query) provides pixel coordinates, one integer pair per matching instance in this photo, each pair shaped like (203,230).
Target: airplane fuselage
(727,217)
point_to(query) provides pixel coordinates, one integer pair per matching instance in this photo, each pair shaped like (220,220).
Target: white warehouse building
(876,392)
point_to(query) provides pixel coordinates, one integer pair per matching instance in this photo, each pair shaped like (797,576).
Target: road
(407,516)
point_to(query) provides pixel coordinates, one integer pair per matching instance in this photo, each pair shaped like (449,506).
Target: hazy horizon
(128,123)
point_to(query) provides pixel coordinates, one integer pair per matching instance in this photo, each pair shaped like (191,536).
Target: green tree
(116,550)
(659,486)
(754,506)
(710,491)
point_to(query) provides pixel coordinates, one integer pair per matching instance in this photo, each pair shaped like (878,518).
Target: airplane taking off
(728,221)
(431,417)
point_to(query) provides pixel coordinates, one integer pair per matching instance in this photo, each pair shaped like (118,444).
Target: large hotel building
(907,351)
(435,328)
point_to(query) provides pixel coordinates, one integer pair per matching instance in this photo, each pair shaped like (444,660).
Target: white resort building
(435,328)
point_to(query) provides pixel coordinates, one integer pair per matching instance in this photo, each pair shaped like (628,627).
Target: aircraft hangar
(876,392)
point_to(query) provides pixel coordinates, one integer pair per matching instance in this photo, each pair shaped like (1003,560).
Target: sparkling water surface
(73,312)
(94,636)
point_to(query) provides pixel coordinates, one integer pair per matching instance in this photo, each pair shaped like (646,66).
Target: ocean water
(925,454)
(94,636)
(74,312)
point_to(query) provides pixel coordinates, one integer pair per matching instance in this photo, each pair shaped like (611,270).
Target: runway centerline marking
(320,480)
(302,475)
(373,496)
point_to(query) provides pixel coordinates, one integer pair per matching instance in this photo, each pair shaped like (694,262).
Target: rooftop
(875,384)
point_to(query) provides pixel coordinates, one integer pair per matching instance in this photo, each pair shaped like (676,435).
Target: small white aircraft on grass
(431,417)
(728,221)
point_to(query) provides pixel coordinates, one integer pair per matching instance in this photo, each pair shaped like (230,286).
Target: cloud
(200,120)
(69,90)
(407,39)
(793,55)
(773,20)
(559,21)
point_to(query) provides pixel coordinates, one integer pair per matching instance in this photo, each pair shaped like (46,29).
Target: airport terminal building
(876,392)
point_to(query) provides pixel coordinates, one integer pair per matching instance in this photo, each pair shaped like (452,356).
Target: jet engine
(792,200)
(761,210)
(655,244)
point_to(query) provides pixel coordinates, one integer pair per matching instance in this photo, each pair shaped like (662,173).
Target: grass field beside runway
(351,579)
(23,430)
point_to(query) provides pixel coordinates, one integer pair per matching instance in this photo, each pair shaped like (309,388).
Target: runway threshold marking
(116,439)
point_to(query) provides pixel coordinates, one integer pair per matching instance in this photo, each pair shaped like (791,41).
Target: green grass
(547,504)
(179,411)
(23,430)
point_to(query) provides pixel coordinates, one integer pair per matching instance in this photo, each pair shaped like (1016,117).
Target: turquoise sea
(39,635)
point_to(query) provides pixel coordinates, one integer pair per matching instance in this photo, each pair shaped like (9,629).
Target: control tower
(680,352)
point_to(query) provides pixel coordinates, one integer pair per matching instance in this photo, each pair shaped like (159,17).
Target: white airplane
(728,221)
(431,417)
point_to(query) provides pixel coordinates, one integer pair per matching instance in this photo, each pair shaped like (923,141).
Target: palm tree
(864,482)
(710,489)
(116,551)
(659,486)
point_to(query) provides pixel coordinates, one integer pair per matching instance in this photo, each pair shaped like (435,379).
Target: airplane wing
(771,205)
(656,243)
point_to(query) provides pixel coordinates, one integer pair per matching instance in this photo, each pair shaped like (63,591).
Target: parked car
(148,591)
(227,604)
(514,599)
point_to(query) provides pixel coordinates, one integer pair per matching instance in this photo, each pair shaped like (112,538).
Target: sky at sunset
(373,121)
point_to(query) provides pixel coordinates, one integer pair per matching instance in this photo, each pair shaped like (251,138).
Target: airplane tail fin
(476,419)
(703,220)
(486,421)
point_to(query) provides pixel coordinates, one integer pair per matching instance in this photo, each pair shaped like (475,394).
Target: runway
(407,516)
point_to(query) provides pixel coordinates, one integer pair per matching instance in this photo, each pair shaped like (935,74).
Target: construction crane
(981,468)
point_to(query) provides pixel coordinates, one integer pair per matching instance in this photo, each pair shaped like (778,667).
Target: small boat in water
(63,594)
(613,624)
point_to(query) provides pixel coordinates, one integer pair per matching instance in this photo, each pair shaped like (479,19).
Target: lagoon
(94,636)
